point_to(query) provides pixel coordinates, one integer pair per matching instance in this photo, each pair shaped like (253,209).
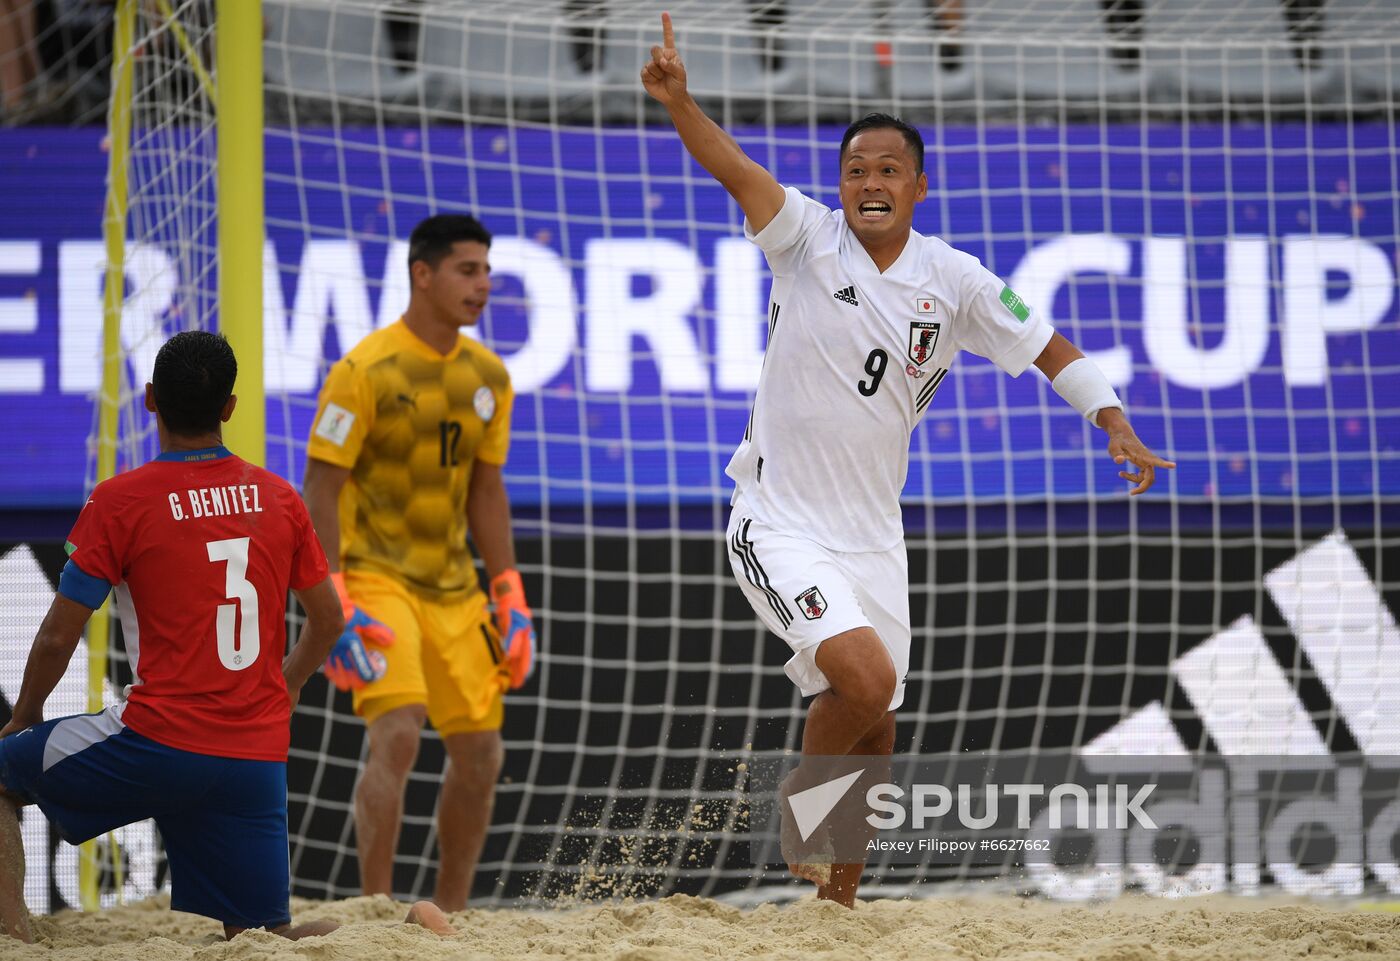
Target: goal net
(1200,195)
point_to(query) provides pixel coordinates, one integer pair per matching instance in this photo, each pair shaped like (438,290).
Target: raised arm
(758,194)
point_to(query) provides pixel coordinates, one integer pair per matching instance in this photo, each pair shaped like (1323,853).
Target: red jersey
(201,547)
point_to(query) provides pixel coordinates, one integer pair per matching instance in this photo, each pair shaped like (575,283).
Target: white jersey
(854,359)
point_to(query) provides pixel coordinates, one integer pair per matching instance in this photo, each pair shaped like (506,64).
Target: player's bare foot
(429,915)
(798,853)
(818,874)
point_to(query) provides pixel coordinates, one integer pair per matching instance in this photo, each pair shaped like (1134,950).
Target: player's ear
(921,188)
(229,405)
(419,271)
(151,397)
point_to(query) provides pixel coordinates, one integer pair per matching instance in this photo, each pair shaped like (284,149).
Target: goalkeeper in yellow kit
(405,457)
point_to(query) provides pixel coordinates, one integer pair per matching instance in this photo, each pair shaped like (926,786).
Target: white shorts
(806,593)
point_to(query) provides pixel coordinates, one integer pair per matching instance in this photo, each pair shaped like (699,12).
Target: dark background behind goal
(1034,627)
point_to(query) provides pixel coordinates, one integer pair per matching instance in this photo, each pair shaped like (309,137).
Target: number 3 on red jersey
(237,649)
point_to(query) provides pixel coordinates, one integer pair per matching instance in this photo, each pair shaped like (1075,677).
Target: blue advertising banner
(1237,283)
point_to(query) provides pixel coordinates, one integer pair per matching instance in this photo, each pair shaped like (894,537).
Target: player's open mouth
(874,210)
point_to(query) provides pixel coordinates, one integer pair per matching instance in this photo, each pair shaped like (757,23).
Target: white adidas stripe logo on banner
(1240,691)
(1247,704)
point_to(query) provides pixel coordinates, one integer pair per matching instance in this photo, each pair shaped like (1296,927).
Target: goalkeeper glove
(515,625)
(351,664)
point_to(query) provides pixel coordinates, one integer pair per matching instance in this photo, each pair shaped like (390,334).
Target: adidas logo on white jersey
(847,295)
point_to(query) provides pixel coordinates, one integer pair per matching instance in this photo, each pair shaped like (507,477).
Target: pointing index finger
(668,33)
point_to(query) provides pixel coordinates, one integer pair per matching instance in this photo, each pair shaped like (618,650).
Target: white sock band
(1085,388)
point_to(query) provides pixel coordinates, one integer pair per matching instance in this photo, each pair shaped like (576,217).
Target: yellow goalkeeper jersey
(409,423)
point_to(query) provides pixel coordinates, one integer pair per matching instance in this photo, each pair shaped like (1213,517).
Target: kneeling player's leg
(428,915)
(462,658)
(14,915)
(228,855)
(425,914)
(228,849)
(89,774)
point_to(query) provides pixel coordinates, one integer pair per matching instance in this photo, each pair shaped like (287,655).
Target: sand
(1008,929)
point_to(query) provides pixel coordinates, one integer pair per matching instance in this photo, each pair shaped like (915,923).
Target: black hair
(883,121)
(433,238)
(193,379)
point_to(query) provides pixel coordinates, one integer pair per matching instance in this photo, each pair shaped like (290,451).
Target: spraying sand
(682,928)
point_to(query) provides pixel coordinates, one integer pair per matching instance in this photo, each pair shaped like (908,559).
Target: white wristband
(1085,388)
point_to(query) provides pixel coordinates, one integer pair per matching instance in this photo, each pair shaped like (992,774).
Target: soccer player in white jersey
(865,318)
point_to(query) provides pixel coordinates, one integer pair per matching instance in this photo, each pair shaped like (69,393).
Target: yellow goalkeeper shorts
(446,656)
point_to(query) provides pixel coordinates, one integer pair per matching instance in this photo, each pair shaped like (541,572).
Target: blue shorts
(223,820)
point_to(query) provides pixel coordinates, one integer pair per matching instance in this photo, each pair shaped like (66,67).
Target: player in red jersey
(201,548)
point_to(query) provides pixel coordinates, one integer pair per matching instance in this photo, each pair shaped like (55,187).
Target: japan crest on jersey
(811,603)
(923,338)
